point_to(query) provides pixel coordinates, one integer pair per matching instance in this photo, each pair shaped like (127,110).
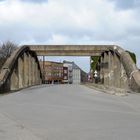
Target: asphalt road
(68,112)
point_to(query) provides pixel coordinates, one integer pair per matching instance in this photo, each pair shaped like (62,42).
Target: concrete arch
(121,72)
(122,60)
(21,70)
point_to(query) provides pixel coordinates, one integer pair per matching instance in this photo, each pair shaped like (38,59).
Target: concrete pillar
(36,71)
(123,78)
(43,69)
(26,70)
(106,71)
(117,71)
(111,69)
(102,70)
(20,72)
(30,69)
(14,80)
(33,71)
(37,75)
(98,70)
(39,81)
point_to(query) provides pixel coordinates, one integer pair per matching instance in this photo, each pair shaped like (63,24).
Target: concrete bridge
(21,70)
(115,66)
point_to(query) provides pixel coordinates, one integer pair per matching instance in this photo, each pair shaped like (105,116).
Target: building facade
(52,72)
(75,74)
(70,71)
(65,74)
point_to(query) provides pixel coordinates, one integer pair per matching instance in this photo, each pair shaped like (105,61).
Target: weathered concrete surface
(69,50)
(132,77)
(68,112)
(16,69)
(130,67)
(132,72)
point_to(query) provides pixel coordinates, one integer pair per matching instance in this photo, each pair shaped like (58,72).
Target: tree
(6,50)
(94,60)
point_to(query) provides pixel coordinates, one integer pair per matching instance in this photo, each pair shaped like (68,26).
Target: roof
(74,66)
(69,62)
(50,62)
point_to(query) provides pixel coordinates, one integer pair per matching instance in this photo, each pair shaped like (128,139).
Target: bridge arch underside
(21,70)
(115,66)
(111,71)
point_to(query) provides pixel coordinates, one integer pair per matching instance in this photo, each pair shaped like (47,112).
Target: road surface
(68,112)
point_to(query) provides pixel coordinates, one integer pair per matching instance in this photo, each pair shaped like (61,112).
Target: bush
(94,60)
(133,56)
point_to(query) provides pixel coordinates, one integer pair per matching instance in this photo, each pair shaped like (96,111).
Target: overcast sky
(72,22)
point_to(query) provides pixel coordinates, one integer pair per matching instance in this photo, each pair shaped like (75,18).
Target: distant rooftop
(52,62)
(74,66)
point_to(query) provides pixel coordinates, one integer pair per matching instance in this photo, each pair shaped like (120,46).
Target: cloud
(126,4)
(34,1)
(71,22)
(70,19)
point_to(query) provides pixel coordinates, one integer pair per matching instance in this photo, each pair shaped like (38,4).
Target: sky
(72,22)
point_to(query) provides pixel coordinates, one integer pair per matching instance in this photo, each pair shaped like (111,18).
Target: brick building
(52,72)
(66,72)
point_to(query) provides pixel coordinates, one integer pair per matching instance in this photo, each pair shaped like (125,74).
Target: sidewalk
(109,90)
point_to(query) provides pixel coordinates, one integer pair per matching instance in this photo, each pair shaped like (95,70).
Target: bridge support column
(20,72)
(30,70)
(111,69)
(33,71)
(39,81)
(106,78)
(123,78)
(36,71)
(98,68)
(101,70)
(14,80)
(117,71)
(39,78)
(26,70)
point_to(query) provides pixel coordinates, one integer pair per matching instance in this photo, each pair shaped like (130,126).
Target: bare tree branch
(6,50)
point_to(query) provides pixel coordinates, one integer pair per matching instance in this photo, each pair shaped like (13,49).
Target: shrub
(133,56)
